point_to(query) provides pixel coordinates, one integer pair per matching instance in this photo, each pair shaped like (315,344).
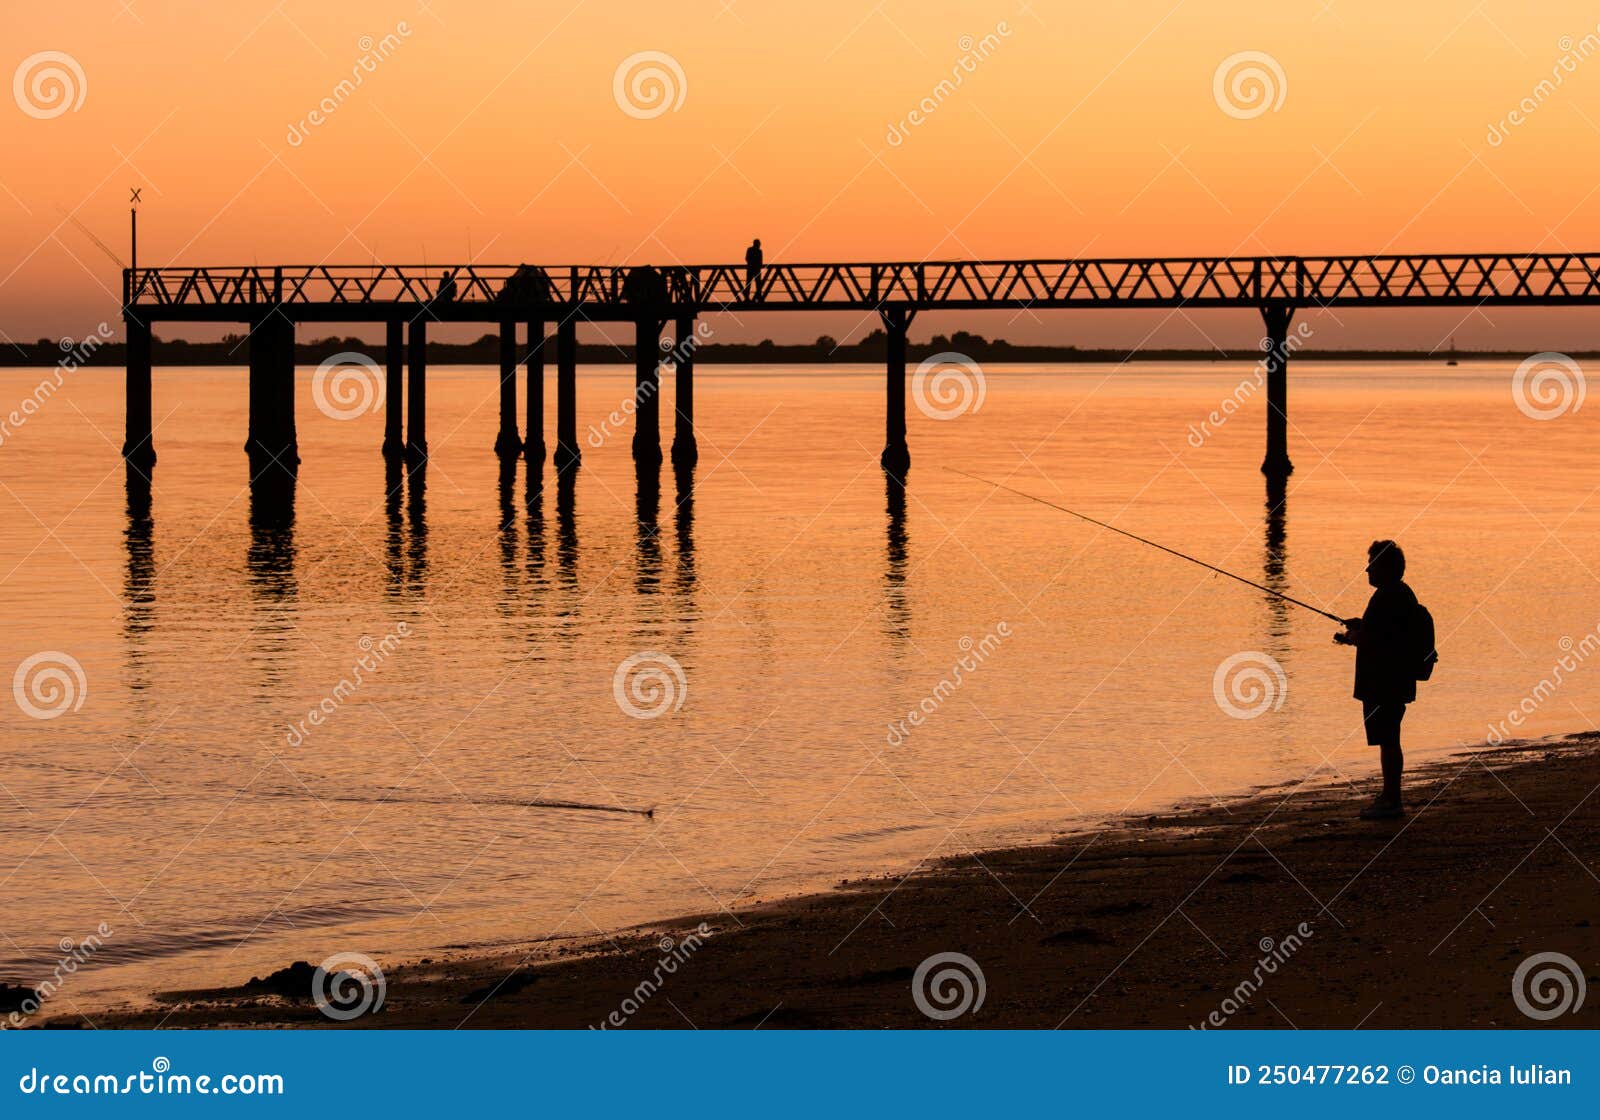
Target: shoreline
(1273,909)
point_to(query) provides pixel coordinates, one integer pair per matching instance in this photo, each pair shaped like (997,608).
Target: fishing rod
(1148,541)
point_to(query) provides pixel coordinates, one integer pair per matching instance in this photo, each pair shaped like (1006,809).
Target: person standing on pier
(447,288)
(752,269)
(1388,665)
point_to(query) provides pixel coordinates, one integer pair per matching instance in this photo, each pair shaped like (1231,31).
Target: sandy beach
(1277,910)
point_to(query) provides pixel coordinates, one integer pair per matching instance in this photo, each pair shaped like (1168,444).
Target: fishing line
(1146,540)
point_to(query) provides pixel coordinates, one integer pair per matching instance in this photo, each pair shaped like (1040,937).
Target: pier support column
(647,392)
(567,453)
(272,444)
(417,393)
(138,446)
(1277,318)
(394,353)
(896,457)
(533,441)
(508,444)
(646,292)
(684,450)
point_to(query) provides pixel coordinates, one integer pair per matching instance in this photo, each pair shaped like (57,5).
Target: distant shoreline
(486,351)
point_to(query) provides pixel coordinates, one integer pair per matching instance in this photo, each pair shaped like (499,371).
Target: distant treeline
(234,349)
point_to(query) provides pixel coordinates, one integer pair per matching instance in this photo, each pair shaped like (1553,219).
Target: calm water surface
(809,608)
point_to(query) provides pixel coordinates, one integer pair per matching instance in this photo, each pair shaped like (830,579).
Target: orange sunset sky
(1087,129)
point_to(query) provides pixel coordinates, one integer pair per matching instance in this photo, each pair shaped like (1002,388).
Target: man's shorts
(1383,722)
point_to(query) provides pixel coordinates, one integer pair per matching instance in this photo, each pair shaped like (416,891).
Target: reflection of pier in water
(139,576)
(272,552)
(1275,561)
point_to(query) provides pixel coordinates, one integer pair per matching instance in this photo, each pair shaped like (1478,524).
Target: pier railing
(1399,280)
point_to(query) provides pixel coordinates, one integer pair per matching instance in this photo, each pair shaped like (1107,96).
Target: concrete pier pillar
(685,452)
(272,444)
(533,440)
(1277,318)
(394,353)
(645,289)
(567,453)
(138,446)
(896,458)
(647,392)
(508,444)
(417,393)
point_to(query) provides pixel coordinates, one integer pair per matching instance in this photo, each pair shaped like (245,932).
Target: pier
(521,300)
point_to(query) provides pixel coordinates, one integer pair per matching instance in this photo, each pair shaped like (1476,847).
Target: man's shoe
(1381,810)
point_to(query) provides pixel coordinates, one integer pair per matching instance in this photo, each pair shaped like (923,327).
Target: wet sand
(1151,921)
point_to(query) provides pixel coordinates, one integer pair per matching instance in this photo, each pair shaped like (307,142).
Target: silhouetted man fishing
(753,258)
(1394,649)
(1393,640)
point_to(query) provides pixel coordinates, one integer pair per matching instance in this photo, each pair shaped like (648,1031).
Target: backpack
(1419,637)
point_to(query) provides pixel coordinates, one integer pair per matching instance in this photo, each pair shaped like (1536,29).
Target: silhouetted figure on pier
(1389,638)
(447,288)
(753,259)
